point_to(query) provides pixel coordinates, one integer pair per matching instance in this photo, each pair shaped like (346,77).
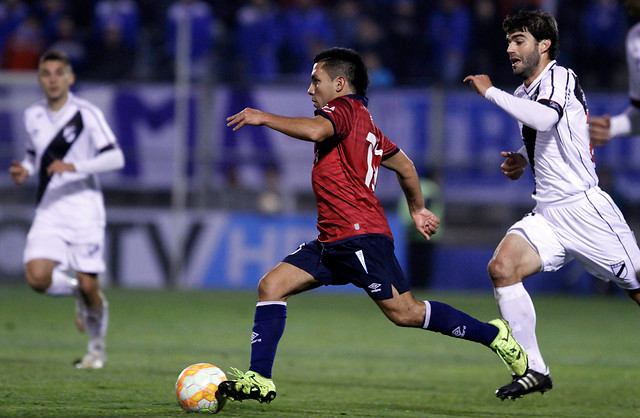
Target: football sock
(96,322)
(447,320)
(62,282)
(516,307)
(268,327)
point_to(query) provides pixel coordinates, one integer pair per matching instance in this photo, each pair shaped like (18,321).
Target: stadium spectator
(307,30)
(484,57)
(258,38)
(407,56)
(64,251)
(25,45)
(121,15)
(12,14)
(200,18)
(449,28)
(604,26)
(344,18)
(113,59)
(68,40)
(573,218)
(52,11)
(355,244)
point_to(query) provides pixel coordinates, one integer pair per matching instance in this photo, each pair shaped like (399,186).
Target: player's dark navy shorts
(367,261)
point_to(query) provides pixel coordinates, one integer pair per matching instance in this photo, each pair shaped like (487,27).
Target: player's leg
(635,295)
(274,288)
(513,260)
(404,310)
(93,311)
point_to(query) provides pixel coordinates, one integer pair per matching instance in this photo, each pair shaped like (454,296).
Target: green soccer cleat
(508,349)
(250,385)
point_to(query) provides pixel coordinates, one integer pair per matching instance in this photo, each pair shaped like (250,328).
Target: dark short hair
(539,24)
(56,56)
(348,63)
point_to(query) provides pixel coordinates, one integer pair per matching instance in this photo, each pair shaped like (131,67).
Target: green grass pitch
(339,356)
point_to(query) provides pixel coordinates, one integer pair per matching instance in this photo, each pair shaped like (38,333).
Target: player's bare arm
(513,165)
(599,130)
(315,129)
(426,222)
(58,167)
(480,83)
(18,173)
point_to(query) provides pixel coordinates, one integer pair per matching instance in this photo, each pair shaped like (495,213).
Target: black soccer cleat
(530,382)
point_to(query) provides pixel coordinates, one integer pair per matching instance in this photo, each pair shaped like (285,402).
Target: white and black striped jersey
(77,133)
(553,117)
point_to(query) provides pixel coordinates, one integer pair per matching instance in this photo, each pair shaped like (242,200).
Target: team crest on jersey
(69,133)
(619,269)
(328,108)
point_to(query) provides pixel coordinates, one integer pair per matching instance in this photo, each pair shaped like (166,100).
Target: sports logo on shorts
(619,269)
(375,287)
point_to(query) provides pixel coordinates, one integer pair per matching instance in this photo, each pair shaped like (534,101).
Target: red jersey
(345,171)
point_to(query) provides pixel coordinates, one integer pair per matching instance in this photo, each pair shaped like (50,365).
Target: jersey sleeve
(389,148)
(555,90)
(101,134)
(340,112)
(29,160)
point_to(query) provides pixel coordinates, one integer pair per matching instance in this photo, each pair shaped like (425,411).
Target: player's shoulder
(555,71)
(83,104)
(36,108)
(634,33)
(86,108)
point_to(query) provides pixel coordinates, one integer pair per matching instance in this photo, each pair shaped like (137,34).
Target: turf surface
(339,356)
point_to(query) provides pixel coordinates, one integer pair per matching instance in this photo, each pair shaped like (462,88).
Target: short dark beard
(529,66)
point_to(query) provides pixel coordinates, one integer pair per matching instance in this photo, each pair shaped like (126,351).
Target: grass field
(338,357)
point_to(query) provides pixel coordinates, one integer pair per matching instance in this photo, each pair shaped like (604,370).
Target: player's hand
(599,130)
(513,166)
(18,172)
(247,117)
(480,83)
(426,222)
(58,166)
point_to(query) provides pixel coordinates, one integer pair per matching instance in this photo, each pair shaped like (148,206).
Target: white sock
(96,323)
(63,283)
(516,307)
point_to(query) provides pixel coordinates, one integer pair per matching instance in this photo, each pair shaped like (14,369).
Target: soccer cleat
(250,385)
(91,360)
(532,381)
(508,349)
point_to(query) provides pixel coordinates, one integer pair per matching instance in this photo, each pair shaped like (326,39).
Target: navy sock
(268,327)
(449,321)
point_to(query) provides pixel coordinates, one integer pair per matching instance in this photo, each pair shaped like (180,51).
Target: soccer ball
(197,386)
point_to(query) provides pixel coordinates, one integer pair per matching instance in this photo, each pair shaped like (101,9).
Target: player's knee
(38,279)
(499,272)
(268,290)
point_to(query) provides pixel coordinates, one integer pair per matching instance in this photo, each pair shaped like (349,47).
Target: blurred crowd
(404,42)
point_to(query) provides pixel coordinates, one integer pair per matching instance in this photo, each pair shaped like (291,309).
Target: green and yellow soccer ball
(197,388)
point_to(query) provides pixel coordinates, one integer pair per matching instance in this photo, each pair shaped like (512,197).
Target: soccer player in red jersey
(354,244)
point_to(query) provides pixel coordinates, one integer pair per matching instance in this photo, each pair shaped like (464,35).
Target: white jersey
(561,158)
(75,133)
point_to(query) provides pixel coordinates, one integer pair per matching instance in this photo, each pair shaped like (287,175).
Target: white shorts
(81,249)
(589,228)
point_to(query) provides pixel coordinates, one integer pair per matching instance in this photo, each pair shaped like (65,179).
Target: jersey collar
(362,99)
(536,82)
